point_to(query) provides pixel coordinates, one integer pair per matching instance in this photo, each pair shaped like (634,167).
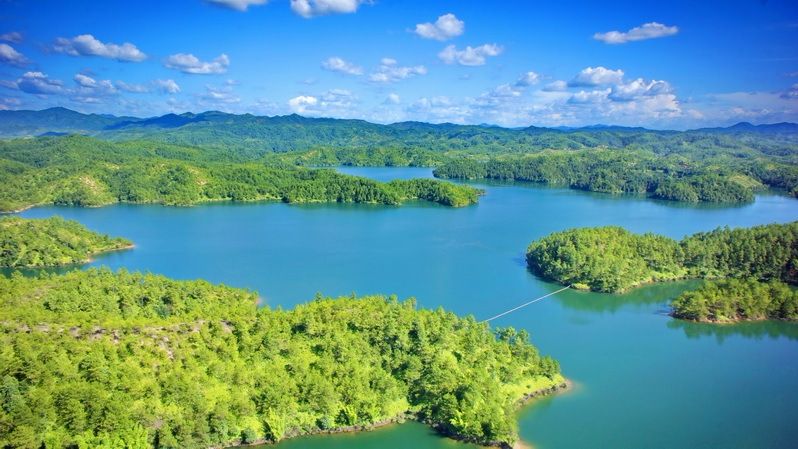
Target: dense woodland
(732,300)
(726,165)
(673,177)
(82,171)
(97,359)
(50,242)
(612,259)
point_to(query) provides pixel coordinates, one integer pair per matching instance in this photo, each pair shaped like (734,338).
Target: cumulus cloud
(313,8)
(301,103)
(12,57)
(188,63)
(651,30)
(639,88)
(333,103)
(132,88)
(336,64)
(219,96)
(88,45)
(389,71)
(446,27)
(528,79)
(469,56)
(596,76)
(238,5)
(14,37)
(38,83)
(393,98)
(168,86)
(90,90)
(556,86)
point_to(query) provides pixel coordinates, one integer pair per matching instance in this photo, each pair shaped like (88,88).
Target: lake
(642,379)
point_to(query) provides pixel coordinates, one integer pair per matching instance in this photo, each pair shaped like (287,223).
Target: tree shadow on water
(756,330)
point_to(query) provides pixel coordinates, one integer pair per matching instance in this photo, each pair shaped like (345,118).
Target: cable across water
(526,304)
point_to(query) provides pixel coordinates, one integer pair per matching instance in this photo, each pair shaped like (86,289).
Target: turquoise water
(642,379)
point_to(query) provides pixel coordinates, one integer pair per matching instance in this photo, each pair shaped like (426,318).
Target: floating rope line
(526,304)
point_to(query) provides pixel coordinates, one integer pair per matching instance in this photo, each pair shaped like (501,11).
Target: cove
(642,379)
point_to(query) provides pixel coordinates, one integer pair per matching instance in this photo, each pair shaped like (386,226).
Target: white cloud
(168,86)
(238,5)
(132,88)
(90,90)
(590,96)
(389,71)
(336,64)
(556,86)
(651,30)
(469,56)
(446,27)
(393,98)
(313,8)
(38,83)
(639,88)
(528,79)
(791,93)
(14,37)
(12,57)
(333,103)
(188,63)
(88,45)
(8,103)
(596,76)
(301,103)
(219,96)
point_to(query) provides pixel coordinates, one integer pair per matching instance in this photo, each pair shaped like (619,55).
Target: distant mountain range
(294,132)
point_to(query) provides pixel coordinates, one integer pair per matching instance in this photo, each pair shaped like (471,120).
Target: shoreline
(85,261)
(563,386)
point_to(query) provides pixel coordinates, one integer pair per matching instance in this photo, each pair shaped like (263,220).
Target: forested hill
(95,359)
(83,171)
(28,243)
(257,135)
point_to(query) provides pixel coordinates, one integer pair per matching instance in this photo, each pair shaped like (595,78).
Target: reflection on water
(660,293)
(756,330)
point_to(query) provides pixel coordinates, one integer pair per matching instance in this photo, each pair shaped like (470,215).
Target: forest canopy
(731,300)
(97,359)
(29,243)
(612,259)
(81,171)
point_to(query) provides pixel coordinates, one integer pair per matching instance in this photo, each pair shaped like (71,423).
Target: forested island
(733,300)
(34,243)
(673,178)
(612,259)
(82,171)
(748,268)
(102,359)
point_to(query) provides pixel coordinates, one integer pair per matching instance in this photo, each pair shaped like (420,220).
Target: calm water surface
(642,379)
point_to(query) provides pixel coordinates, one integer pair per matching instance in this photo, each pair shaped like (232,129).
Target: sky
(665,65)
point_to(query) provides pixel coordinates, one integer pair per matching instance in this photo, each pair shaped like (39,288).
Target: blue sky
(513,63)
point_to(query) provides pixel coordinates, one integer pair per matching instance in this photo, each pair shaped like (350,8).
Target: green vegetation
(733,300)
(611,259)
(610,171)
(360,157)
(50,242)
(82,171)
(724,165)
(96,359)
